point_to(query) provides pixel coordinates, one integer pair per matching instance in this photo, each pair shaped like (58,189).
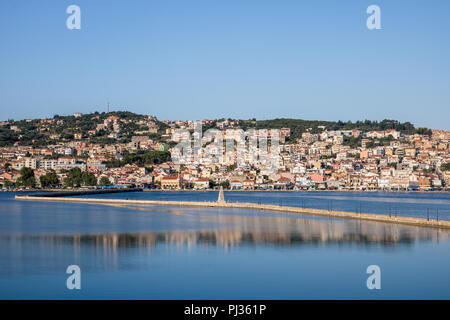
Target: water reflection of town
(279,231)
(51,253)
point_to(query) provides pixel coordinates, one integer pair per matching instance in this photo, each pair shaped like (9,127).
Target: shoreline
(439,224)
(226,190)
(350,191)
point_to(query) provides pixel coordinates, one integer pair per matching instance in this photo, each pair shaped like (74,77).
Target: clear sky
(203,59)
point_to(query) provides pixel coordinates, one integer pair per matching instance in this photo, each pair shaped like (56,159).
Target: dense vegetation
(31,132)
(77,178)
(50,179)
(140,158)
(104,181)
(7,136)
(298,126)
(26,178)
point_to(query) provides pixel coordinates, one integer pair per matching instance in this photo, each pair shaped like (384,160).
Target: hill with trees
(38,132)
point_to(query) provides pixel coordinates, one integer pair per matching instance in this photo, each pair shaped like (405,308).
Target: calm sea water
(407,204)
(156,252)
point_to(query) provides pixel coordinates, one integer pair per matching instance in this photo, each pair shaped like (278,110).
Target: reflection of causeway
(248,231)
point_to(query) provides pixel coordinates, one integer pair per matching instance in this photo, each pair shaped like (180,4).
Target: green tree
(7,184)
(225,184)
(231,167)
(352,142)
(141,158)
(49,180)
(212,184)
(88,179)
(148,170)
(27,178)
(370,144)
(104,181)
(76,178)
(445,166)
(73,179)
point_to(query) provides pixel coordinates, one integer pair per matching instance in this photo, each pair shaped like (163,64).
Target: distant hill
(299,126)
(38,132)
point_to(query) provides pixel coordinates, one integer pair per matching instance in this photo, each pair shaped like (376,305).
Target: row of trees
(140,158)
(75,178)
(299,126)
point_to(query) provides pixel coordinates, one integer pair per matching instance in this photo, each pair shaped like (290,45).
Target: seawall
(80,192)
(306,211)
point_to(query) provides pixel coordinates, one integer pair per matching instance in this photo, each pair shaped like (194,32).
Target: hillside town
(119,150)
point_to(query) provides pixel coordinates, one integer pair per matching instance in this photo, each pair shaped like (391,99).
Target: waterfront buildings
(328,159)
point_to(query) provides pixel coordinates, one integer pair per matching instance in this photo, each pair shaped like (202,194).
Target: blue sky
(204,59)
